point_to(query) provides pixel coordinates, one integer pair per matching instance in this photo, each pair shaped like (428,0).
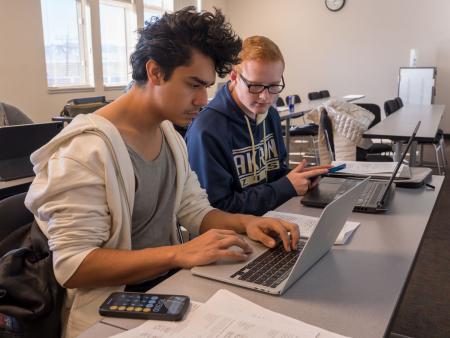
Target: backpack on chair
(85,105)
(30,297)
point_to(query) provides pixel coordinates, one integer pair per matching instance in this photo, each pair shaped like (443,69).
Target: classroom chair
(314,96)
(374,153)
(307,130)
(11,115)
(390,107)
(279,102)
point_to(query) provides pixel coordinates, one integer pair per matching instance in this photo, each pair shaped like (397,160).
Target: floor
(424,310)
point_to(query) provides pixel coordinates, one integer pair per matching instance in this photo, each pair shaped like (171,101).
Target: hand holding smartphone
(145,306)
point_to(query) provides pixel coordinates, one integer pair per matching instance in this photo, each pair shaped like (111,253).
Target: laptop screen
(22,140)
(400,161)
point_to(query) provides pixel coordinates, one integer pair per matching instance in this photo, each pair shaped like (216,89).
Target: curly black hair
(169,41)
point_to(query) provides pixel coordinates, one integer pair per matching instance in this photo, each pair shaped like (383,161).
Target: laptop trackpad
(257,249)
(327,190)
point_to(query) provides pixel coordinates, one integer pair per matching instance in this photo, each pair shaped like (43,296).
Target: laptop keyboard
(272,267)
(370,194)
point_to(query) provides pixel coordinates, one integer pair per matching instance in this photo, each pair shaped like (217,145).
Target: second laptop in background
(375,197)
(18,142)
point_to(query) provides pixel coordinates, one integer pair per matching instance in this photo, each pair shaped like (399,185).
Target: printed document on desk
(307,224)
(228,315)
(159,328)
(375,169)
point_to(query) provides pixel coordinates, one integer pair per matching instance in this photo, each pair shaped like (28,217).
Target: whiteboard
(416,85)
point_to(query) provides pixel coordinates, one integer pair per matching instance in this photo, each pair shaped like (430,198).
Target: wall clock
(334,5)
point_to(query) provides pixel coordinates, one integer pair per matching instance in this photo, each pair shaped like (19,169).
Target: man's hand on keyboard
(211,246)
(264,229)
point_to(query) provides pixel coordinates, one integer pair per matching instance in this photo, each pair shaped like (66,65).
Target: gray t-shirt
(154,199)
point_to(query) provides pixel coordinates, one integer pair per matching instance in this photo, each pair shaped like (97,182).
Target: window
(118,35)
(155,8)
(67,40)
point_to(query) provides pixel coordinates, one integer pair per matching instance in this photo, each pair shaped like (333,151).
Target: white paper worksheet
(226,315)
(306,225)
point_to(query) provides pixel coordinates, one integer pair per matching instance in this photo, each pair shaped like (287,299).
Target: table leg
(397,150)
(412,154)
(288,138)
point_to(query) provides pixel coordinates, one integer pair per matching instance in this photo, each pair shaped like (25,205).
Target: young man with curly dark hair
(111,188)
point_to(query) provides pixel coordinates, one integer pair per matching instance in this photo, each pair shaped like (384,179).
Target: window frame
(90,42)
(86,57)
(167,6)
(129,7)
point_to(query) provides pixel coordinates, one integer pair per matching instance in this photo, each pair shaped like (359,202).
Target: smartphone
(331,170)
(145,306)
(337,168)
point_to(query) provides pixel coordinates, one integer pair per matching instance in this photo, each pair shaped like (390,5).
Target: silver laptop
(275,270)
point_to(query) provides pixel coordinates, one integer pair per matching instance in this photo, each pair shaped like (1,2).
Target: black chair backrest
(13,214)
(279,102)
(324,94)
(314,96)
(399,102)
(390,106)
(374,109)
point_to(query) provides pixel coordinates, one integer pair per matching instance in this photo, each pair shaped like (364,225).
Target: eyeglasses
(259,88)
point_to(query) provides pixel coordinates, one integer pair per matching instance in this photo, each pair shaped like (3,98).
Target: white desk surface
(353,290)
(13,183)
(313,104)
(400,124)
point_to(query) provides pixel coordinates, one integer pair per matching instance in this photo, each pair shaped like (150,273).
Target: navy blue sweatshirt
(223,155)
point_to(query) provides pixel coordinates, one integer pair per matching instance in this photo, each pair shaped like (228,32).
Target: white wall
(23,81)
(208,5)
(356,50)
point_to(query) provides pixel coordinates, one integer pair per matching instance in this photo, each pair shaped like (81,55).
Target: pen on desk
(432,187)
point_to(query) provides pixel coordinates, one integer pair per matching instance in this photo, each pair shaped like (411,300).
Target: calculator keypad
(145,304)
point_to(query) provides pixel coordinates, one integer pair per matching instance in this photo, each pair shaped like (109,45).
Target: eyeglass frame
(264,87)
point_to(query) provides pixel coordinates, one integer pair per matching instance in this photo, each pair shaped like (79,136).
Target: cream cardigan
(349,123)
(82,198)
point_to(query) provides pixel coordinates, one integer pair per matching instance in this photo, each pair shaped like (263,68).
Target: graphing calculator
(145,306)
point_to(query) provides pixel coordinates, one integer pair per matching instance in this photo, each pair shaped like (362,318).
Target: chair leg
(438,162)
(316,152)
(421,155)
(444,154)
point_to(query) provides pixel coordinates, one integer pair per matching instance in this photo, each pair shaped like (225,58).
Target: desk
(354,290)
(305,107)
(400,125)
(9,188)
